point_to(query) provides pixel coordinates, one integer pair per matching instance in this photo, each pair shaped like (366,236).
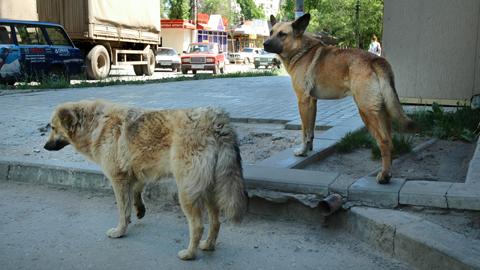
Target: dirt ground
(257,142)
(445,161)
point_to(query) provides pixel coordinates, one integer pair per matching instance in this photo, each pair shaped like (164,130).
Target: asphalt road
(56,228)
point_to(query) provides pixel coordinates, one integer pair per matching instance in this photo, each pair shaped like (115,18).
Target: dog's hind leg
(307,107)
(123,194)
(137,199)
(214,227)
(193,213)
(380,126)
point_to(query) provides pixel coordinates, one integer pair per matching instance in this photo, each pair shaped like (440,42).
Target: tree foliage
(250,10)
(337,17)
(179,9)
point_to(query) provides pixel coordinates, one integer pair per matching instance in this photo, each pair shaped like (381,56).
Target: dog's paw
(301,151)
(186,254)
(115,233)
(140,211)
(206,245)
(383,177)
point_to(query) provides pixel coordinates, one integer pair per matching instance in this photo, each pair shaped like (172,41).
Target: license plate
(164,63)
(197,66)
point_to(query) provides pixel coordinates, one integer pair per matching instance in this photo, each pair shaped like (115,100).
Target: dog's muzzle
(272,46)
(55,145)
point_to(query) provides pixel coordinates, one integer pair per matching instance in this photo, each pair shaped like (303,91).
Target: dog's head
(284,36)
(63,123)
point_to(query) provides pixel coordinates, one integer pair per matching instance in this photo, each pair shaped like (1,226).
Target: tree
(250,10)
(337,17)
(179,9)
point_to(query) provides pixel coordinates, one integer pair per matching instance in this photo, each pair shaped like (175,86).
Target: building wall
(177,38)
(434,48)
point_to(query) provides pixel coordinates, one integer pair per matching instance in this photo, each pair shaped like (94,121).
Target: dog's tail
(229,188)
(390,97)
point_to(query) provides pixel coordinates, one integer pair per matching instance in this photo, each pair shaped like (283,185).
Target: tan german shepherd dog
(132,146)
(326,72)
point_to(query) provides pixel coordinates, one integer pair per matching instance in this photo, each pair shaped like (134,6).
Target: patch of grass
(103,83)
(402,144)
(459,124)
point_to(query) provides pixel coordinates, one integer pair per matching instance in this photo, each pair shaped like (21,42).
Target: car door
(35,53)
(9,55)
(63,52)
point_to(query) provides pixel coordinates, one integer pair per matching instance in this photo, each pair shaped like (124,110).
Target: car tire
(216,70)
(184,71)
(222,69)
(257,66)
(194,71)
(98,63)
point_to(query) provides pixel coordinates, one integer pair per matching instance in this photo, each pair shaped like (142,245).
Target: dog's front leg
(122,190)
(307,107)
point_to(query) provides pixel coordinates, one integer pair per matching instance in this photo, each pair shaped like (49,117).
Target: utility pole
(357,23)
(298,8)
(193,17)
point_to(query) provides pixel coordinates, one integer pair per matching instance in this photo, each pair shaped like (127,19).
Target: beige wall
(434,47)
(179,39)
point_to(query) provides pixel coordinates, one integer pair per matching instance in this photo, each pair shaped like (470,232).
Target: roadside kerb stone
(366,191)
(286,159)
(421,243)
(65,176)
(288,180)
(464,196)
(341,185)
(4,168)
(473,173)
(425,193)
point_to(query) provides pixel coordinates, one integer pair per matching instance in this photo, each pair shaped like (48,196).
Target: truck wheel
(149,69)
(98,63)
(138,69)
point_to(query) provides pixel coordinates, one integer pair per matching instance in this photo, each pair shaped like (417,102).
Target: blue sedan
(37,51)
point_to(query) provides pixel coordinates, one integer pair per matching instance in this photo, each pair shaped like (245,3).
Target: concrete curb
(410,238)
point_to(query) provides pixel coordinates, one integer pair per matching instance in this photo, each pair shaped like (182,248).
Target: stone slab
(366,191)
(286,158)
(341,185)
(464,196)
(423,244)
(430,246)
(473,173)
(338,132)
(4,168)
(425,193)
(288,180)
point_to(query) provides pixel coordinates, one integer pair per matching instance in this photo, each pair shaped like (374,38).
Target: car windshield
(264,52)
(166,52)
(200,48)
(247,50)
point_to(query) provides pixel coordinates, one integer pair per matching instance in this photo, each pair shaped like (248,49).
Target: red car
(203,56)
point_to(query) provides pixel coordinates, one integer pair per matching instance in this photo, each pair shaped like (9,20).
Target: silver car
(167,58)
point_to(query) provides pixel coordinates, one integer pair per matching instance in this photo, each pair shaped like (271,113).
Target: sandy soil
(257,142)
(443,161)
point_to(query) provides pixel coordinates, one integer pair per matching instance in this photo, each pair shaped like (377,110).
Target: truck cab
(203,56)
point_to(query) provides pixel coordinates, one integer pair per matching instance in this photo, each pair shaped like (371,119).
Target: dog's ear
(300,24)
(68,118)
(273,21)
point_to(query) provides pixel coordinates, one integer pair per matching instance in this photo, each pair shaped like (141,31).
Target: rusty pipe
(330,204)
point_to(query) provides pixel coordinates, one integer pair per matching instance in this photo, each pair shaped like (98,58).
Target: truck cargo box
(124,21)
(19,10)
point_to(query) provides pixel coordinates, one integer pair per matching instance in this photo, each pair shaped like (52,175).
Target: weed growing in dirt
(459,124)
(402,144)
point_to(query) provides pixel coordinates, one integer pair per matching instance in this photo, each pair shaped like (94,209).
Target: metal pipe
(330,204)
